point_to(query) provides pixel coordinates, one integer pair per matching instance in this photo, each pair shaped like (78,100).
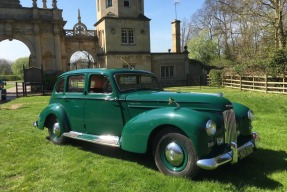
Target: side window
(60,86)
(100,84)
(76,84)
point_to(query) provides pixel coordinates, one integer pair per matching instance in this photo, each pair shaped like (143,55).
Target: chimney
(176,36)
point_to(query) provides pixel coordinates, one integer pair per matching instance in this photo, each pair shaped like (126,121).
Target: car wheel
(55,132)
(174,155)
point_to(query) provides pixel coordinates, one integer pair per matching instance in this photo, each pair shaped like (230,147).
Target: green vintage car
(129,109)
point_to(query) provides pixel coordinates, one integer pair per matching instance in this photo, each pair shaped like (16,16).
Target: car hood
(196,101)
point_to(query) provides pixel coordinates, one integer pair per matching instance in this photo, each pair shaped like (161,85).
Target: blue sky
(161,13)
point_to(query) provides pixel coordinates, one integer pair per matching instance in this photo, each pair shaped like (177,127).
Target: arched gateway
(42,30)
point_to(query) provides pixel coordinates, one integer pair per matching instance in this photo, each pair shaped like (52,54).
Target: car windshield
(128,82)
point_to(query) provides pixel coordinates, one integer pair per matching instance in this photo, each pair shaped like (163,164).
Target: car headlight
(210,127)
(250,115)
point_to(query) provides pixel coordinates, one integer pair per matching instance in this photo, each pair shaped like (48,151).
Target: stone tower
(123,33)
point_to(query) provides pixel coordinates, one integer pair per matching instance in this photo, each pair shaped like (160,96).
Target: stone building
(121,39)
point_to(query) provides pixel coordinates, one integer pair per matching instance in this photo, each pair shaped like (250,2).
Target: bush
(215,77)
(10,77)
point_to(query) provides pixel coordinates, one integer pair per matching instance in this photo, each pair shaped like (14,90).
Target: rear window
(76,84)
(127,82)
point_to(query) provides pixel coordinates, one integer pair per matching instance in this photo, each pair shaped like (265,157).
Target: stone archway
(80,39)
(82,59)
(40,29)
(25,42)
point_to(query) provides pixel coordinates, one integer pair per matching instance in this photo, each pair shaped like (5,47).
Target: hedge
(10,77)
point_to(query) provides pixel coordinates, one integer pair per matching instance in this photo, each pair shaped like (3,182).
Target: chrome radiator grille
(230,126)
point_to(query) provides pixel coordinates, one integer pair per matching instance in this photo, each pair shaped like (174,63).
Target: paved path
(11,94)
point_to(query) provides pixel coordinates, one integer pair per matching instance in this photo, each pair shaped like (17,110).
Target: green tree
(5,67)
(202,48)
(215,78)
(276,62)
(17,66)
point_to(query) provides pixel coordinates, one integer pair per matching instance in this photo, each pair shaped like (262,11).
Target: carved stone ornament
(80,29)
(10,4)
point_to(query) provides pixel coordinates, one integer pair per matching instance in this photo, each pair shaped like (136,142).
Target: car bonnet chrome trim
(230,126)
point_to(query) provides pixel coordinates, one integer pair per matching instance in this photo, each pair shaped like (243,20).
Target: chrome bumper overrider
(232,156)
(35,124)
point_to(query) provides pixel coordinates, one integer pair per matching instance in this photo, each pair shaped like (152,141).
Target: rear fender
(136,132)
(53,110)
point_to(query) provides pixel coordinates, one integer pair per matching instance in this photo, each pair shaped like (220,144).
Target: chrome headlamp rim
(250,115)
(210,127)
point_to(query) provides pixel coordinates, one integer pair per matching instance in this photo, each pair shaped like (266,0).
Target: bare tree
(243,29)
(186,31)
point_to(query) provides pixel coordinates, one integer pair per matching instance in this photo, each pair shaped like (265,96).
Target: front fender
(244,124)
(240,110)
(53,110)
(136,132)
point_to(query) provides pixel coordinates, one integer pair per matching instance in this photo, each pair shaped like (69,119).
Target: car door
(103,114)
(73,101)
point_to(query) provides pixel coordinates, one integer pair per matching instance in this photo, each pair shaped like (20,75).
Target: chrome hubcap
(174,154)
(56,129)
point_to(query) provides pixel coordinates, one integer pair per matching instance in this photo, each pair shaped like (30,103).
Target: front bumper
(231,156)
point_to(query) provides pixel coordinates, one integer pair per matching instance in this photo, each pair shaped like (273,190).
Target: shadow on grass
(114,152)
(252,171)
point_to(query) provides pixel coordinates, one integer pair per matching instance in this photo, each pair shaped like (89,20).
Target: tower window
(109,3)
(128,36)
(127,3)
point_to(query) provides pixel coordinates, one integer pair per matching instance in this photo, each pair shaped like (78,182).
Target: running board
(98,139)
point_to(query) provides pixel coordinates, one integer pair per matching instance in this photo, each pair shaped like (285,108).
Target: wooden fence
(257,83)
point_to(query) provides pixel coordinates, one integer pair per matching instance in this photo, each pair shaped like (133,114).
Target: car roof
(104,71)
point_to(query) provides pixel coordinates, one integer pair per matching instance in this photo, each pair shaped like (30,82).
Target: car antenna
(130,67)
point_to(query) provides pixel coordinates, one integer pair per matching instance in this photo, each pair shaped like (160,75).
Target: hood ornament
(171,101)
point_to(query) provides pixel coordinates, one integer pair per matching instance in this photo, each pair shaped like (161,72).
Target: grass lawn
(29,162)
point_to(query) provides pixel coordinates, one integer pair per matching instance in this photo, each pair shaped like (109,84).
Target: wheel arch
(57,111)
(138,134)
(157,130)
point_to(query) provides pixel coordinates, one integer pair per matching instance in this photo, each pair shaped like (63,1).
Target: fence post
(253,82)
(283,82)
(266,83)
(24,88)
(240,78)
(17,89)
